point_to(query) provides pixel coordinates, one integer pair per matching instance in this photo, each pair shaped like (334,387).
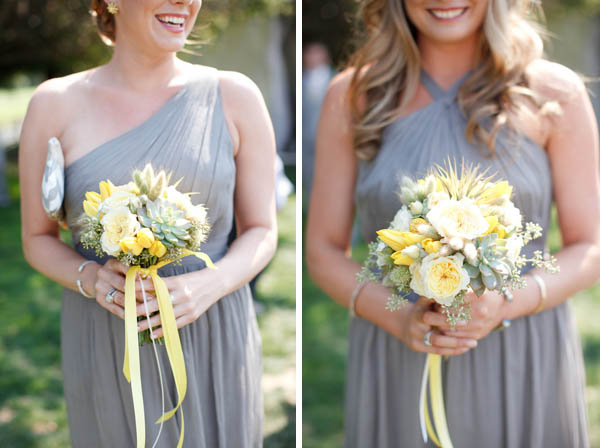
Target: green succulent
(167,222)
(151,184)
(491,267)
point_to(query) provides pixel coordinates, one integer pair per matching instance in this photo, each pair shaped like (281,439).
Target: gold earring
(112,8)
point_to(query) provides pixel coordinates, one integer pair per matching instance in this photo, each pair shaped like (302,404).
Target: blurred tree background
(41,39)
(574,41)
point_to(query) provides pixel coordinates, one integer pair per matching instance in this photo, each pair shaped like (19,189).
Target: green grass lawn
(14,104)
(32,408)
(325,346)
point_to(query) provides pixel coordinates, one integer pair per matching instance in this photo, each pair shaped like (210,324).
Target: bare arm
(42,246)
(573,151)
(329,230)
(572,147)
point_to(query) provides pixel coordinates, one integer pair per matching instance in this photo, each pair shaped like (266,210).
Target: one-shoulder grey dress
(222,349)
(520,388)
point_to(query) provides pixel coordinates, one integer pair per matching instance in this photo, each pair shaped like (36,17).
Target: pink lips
(175,28)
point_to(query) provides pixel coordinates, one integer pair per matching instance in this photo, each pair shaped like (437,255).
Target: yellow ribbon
(439,434)
(131,363)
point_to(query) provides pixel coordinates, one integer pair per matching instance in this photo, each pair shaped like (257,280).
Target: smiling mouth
(172,21)
(447,14)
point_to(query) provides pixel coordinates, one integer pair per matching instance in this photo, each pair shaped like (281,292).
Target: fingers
(181,322)
(435,319)
(115,265)
(445,341)
(114,308)
(110,277)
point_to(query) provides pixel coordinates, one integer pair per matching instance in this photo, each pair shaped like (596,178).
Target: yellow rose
(106,189)
(431,246)
(145,238)
(130,245)
(440,278)
(495,226)
(499,190)
(157,249)
(403,260)
(90,208)
(399,240)
(415,223)
(92,196)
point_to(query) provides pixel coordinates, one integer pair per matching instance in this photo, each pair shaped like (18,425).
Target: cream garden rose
(119,223)
(119,198)
(458,219)
(439,278)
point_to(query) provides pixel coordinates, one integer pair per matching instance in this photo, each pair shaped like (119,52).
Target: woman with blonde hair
(210,128)
(464,80)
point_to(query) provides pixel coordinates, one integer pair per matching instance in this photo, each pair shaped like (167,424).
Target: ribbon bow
(131,363)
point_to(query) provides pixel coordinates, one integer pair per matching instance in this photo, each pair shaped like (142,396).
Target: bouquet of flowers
(146,224)
(143,223)
(455,232)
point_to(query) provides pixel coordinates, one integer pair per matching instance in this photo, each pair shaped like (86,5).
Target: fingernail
(471,343)
(461,322)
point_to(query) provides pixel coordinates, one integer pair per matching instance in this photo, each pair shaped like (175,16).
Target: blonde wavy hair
(387,70)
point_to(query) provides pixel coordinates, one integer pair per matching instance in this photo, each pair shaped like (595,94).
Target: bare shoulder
(339,86)
(55,98)
(554,81)
(238,90)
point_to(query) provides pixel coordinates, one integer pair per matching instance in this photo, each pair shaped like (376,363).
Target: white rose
(401,221)
(435,197)
(511,216)
(197,213)
(440,278)
(457,219)
(514,244)
(119,198)
(118,223)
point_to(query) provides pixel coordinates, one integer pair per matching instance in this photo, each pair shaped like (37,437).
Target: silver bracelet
(355,293)
(79,285)
(543,293)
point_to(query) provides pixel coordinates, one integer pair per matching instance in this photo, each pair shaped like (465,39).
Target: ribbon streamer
(131,363)
(438,431)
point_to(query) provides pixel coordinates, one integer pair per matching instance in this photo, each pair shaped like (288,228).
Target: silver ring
(110,296)
(427,338)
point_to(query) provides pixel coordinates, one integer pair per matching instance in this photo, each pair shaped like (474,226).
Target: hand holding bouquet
(146,224)
(454,232)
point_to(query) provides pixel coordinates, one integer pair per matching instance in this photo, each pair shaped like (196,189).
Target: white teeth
(447,14)
(172,20)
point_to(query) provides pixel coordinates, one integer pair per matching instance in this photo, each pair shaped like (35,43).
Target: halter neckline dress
(222,349)
(519,388)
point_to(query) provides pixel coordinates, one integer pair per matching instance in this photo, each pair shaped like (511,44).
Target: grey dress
(222,349)
(520,388)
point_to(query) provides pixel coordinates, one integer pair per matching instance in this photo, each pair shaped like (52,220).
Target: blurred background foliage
(48,38)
